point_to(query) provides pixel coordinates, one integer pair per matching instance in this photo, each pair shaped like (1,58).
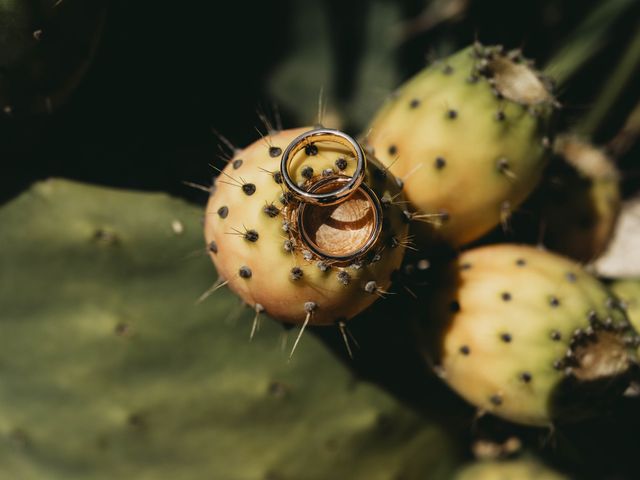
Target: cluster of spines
(483,54)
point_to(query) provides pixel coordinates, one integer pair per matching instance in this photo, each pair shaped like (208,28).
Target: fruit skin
(46,47)
(514,469)
(109,370)
(283,283)
(469,147)
(580,199)
(527,335)
(628,291)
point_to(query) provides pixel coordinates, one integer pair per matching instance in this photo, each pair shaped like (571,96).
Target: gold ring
(312,195)
(362,225)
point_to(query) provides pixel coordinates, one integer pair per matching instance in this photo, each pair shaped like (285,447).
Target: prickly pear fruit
(257,247)
(527,335)
(581,200)
(45,49)
(628,291)
(468,138)
(515,469)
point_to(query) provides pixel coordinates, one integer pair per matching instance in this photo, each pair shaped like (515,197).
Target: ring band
(362,249)
(327,135)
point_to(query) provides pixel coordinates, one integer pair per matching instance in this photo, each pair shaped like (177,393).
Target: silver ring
(373,236)
(319,135)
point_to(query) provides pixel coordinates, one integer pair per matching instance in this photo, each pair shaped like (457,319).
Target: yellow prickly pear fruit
(468,137)
(289,268)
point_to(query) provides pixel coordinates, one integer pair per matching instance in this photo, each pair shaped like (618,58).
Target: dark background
(165,73)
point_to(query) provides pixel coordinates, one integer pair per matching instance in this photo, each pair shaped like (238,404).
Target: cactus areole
(306,227)
(468,137)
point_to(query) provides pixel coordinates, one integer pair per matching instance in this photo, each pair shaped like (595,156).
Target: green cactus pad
(529,336)
(467,135)
(109,370)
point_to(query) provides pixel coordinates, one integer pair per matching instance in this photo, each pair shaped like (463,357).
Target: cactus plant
(468,138)
(529,336)
(114,372)
(256,244)
(112,367)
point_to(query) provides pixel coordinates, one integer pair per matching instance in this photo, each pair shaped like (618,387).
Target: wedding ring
(345,232)
(312,195)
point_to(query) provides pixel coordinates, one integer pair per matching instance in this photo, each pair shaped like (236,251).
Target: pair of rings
(331,191)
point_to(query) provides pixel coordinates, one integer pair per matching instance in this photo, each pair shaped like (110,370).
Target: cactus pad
(110,371)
